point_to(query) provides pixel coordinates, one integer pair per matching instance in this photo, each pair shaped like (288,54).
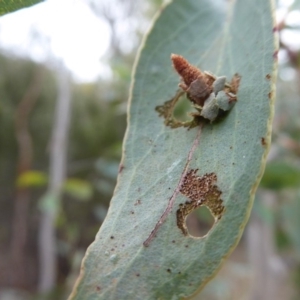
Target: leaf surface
(224,37)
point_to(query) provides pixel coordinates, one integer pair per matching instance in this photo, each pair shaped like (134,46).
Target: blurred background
(65,69)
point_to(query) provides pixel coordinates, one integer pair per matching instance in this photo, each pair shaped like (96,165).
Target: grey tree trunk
(57,174)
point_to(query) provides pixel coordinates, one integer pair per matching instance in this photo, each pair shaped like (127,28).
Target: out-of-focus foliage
(279,175)
(32,179)
(291,221)
(97,128)
(78,188)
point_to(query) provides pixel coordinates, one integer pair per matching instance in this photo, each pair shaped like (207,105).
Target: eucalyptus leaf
(8,6)
(160,162)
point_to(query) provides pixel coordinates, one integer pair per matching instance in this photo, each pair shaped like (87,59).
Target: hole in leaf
(200,221)
(182,109)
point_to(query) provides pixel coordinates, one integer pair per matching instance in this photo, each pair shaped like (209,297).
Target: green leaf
(7,6)
(32,179)
(279,175)
(224,37)
(78,188)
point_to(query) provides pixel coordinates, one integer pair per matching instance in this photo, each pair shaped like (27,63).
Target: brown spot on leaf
(268,76)
(138,202)
(270,95)
(98,288)
(235,83)
(263,141)
(121,167)
(275,55)
(169,270)
(112,237)
(137,274)
(200,191)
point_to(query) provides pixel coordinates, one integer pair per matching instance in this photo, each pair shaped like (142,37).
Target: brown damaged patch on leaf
(138,202)
(202,89)
(263,141)
(166,111)
(121,167)
(200,191)
(234,84)
(270,95)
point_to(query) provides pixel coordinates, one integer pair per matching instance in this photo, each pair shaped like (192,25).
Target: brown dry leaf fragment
(199,91)
(188,72)
(235,83)
(210,95)
(196,84)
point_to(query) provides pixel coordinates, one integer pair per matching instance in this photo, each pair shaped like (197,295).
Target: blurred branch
(24,141)
(109,11)
(58,153)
